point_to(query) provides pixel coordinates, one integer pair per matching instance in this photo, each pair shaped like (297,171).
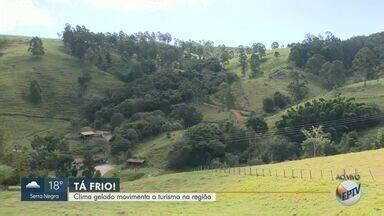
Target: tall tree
(259,48)
(274,45)
(314,64)
(89,166)
(317,141)
(108,61)
(226,96)
(364,64)
(298,86)
(36,47)
(224,54)
(35,92)
(332,74)
(83,83)
(255,65)
(242,60)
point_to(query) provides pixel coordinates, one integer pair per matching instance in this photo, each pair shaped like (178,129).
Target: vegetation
(36,47)
(338,115)
(240,203)
(170,103)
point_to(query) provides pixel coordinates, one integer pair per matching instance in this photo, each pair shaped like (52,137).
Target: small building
(135,162)
(99,160)
(87,134)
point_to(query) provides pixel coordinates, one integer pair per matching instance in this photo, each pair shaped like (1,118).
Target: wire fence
(292,173)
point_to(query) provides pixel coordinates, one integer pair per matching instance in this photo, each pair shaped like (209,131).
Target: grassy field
(57,74)
(155,150)
(270,63)
(250,93)
(230,189)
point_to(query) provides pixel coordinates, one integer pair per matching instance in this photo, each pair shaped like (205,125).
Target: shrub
(268,105)
(281,100)
(257,124)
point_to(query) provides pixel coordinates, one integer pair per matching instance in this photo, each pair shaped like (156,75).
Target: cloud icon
(32,184)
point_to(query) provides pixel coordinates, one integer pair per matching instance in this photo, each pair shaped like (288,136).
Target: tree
(256,123)
(378,140)
(62,164)
(259,48)
(36,47)
(274,45)
(226,96)
(120,145)
(364,63)
(332,74)
(314,64)
(349,142)
(35,92)
(201,145)
(298,87)
(268,105)
(276,54)
(224,54)
(280,100)
(83,83)
(329,113)
(2,144)
(88,167)
(117,119)
(108,61)
(242,60)
(317,141)
(255,65)
(189,115)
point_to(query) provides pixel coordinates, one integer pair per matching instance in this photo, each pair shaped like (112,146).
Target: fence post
(284,172)
(332,174)
(263,171)
(371,174)
(310,174)
(301,174)
(321,171)
(270,174)
(276,172)
(292,174)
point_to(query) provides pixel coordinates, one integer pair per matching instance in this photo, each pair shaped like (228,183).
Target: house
(87,134)
(135,162)
(106,135)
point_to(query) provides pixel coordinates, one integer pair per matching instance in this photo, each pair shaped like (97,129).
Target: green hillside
(250,93)
(231,189)
(57,74)
(270,62)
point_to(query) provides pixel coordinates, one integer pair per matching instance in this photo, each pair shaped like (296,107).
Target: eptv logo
(348,192)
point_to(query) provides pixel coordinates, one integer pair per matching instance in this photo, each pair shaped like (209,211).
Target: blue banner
(44,189)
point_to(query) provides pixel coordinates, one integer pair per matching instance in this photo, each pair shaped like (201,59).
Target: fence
(309,174)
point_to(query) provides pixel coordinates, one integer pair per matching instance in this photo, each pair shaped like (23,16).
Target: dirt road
(103,168)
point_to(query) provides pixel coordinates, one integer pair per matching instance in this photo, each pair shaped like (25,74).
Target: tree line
(335,60)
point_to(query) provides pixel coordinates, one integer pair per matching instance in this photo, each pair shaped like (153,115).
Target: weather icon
(32,184)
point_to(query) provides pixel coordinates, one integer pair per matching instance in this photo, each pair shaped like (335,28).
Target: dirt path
(103,168)
(239,117)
